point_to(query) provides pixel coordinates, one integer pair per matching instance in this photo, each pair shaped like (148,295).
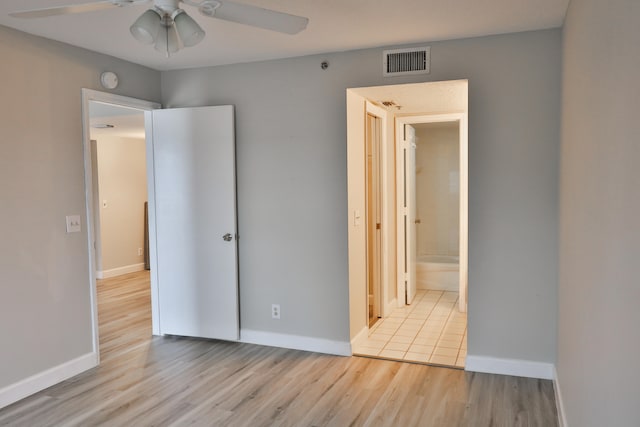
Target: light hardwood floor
(158,381)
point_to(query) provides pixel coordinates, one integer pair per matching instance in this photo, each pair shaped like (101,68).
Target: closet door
(195,211)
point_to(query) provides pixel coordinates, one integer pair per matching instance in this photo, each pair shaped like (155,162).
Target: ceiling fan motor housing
(167,6)
(122,3)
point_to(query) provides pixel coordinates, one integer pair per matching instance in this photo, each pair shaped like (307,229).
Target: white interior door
(410,218)
(195,213)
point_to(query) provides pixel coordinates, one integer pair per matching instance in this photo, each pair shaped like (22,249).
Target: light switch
(73,223)
(356,218)
(105,204)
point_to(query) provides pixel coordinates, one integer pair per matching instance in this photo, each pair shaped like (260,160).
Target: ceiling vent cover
(400,62)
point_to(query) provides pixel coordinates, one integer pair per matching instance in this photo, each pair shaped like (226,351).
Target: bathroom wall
(122,188)
(438,188)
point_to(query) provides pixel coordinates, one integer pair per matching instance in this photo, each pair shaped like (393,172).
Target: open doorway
(423,322)
(191,222)
(116,178)
(120,189)
(121,233)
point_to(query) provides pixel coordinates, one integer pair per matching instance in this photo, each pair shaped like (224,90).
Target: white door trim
(89,95)
(462,119)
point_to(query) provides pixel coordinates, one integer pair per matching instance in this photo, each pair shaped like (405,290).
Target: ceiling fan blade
(70,9)
(257,17)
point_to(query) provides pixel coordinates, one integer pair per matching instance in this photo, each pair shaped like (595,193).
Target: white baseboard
(105,274)
(296,342)
(515,367)
(360,336)
(562,420)
(42,380)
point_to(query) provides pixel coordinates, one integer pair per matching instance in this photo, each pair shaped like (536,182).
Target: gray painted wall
(599,292)
(291,144)
(45,317)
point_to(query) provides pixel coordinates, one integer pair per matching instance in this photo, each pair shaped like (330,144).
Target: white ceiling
(415,98)
(334,25)
(126,122)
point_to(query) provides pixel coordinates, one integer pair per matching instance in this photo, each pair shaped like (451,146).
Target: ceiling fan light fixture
(147,27)
(190,32)
(167,41)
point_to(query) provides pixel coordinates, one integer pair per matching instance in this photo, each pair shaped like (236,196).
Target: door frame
(381,113)
(462,119)
(89,95)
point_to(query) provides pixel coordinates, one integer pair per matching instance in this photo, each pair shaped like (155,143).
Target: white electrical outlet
(275,311)
(139,251)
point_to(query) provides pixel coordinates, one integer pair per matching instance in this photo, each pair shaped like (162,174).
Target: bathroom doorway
(421,321)
(433,178)
(437,206)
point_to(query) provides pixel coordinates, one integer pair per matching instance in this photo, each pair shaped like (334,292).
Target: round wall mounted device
(109,80)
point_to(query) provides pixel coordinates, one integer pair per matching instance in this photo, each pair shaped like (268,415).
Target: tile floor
(430,330)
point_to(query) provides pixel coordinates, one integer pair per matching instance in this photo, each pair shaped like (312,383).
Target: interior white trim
(562,420)
(360,336)
(105,274)
(151,212)
(35,383)
(89,95)
(401,285)
(515,367)
(296,342)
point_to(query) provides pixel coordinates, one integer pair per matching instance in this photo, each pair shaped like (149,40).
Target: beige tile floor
(430,330)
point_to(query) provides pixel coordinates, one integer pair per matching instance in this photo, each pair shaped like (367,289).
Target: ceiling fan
(169,28)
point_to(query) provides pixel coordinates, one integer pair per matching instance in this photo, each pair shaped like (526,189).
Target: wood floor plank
(173,381)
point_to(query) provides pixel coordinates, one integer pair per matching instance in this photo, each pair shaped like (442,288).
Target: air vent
(399,62)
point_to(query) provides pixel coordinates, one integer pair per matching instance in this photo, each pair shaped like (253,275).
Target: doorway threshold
(429,331)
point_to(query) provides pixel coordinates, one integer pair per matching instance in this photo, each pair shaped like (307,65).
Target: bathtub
(438,272)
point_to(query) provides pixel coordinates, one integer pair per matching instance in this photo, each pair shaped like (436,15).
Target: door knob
(227,237)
